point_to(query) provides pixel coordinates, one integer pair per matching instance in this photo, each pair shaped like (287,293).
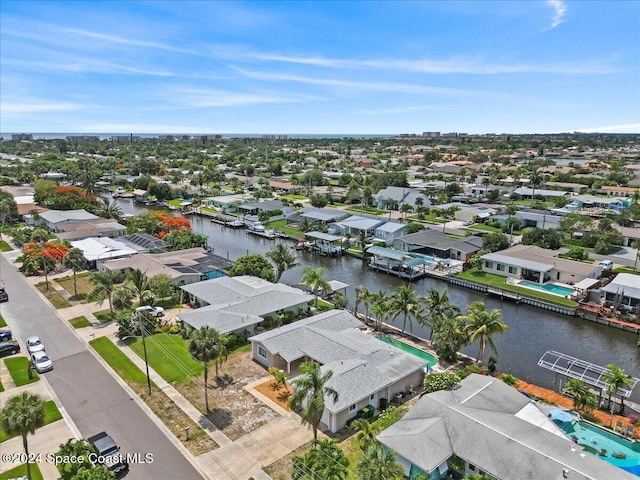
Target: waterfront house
(224,202)
(388,232)
(398,196)
(255,208)
(539,265)
(529,218)
(183,267)
(366,371)
(625,285)
(492,429)
(355,224)
(439,245)
(101,249)
(240,304)
(55,220)
(528,192)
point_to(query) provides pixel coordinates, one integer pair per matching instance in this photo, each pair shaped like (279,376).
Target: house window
(352,408)
(513,270)
(557,275)
(262,352)
(500,267)
(372,396)
(488,264)
(472,467)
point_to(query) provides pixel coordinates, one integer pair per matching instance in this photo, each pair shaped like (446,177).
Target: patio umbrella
(561,415)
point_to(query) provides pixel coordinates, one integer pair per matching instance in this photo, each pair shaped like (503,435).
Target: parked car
(34,344)
(9,348)
(606,264)
(155,311)
(4,296)
(5,335)
(41,362)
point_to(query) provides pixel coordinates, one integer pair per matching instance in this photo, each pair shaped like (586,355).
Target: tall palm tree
(74,259)
(405,301)
(582,396)
(108,209)
(313,278)
(380,464)
(357,299)
(380,308)
(366,435)
(39,235)
(438,306)
(482,325)
(310,389)
(367,298)
(140,283)
(283,257)
(617,379)
(103,283)
(206,345)
(21,415)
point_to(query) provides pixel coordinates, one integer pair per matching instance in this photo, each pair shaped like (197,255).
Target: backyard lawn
(51,414)
(498,281)
(282,226)
(19,370)
(168,356)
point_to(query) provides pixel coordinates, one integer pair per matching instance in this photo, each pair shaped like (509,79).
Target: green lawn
(80,322)
(21,471)
(428,218)
(19,370)
(282,226)
(83,285)
(168,355)
(293,197)
(627,270)
(2,322)
(5,247)
(241,348)
(498,281)
(57,300)
(1,387)
(104,316)
(51,414)
(118,360)
(369,210)
(175,202)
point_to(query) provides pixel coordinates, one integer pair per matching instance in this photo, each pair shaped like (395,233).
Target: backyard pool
(430,359)
(605,445)
(549,288)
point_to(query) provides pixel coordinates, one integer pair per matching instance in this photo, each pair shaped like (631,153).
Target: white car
(41,362)
(34,344)
(154,311)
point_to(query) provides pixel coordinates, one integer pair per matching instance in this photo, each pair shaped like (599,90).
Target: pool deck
(566,402)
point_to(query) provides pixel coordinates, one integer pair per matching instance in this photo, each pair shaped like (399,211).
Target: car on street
(41,362)
(9,348)
(154,311)
(34,344)
(5,335)
(4,296)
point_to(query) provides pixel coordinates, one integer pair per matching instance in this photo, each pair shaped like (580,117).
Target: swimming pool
(430,359)
(605,445)
(549,288)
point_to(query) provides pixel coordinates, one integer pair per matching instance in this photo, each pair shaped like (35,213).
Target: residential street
(93,399)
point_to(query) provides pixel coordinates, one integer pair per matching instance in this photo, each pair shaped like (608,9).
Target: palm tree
(357,300)
(108,209)
(74,259)
(103,282)
(482,325)
(206,345)
(636,245)
(582,396)
(404,301)
(283,257)
(617,380)
(313,278)
(366,435)
(380,308)
(310,389)
(367,298)
(140,283)
(21,415)
(438,305)
(380,464)
(39,235)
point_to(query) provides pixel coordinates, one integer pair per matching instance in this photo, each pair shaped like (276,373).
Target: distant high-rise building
(82,138)
(431,134)
(22,137)
(125,138)
(275,137)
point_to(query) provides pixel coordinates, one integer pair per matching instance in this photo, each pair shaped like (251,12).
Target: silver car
(34,344)
(41,362)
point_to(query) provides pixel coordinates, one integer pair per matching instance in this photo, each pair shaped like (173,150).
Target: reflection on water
(531,331)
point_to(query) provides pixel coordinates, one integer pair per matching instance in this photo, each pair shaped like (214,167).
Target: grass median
(19,370)
(80,322)
(51,414)
(161,405)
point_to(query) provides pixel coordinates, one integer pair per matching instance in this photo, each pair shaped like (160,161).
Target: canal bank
(531,333)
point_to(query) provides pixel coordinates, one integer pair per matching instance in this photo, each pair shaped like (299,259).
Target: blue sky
(320,67)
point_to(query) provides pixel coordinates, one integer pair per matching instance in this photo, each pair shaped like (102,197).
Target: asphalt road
(91,396)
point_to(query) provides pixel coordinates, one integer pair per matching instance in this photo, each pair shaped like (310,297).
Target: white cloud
(559,11)
(205,98)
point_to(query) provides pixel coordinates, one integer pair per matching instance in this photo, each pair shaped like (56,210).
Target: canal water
(531,331)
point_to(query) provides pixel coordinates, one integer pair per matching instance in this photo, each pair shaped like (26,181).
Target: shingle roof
(57,216)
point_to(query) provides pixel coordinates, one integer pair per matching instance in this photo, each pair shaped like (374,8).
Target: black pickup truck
(108,453)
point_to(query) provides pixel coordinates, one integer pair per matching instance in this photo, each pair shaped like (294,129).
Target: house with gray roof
(626,285)
(398,196)
(54,220)
(239,304)
(366,371)
(494,430)
(439,244)
(388,232)
(355,224)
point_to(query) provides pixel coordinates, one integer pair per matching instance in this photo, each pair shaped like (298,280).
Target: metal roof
(387,252)
(518,262)
(322,236)
(589,373)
